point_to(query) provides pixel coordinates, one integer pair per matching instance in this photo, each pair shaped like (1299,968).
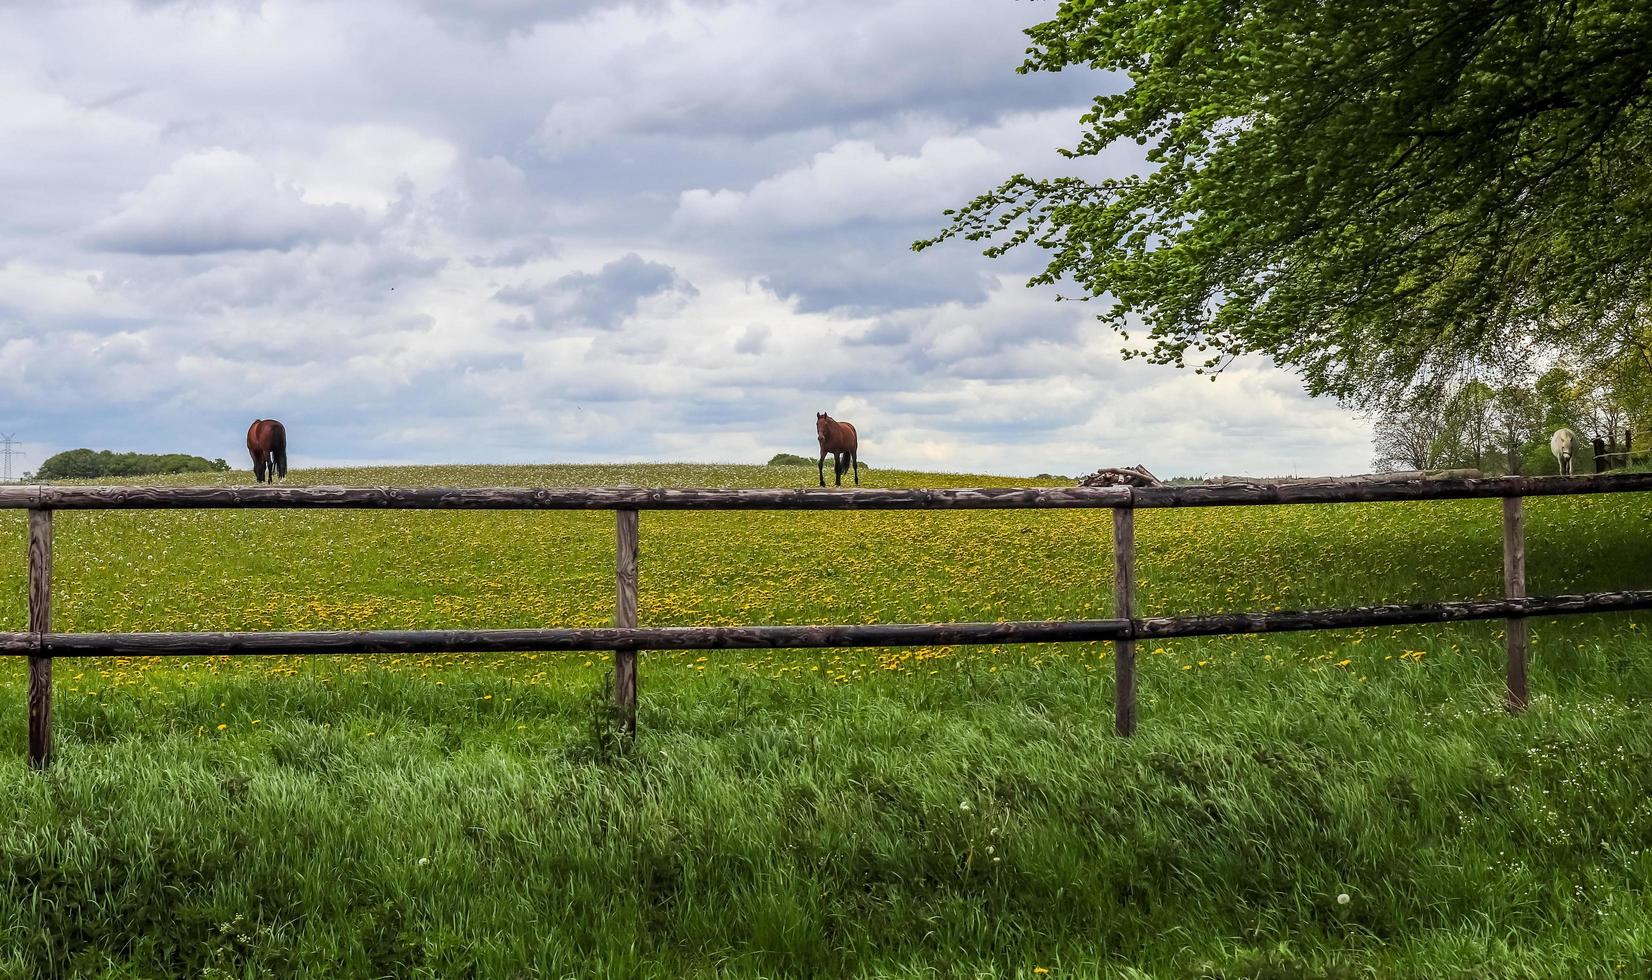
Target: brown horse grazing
(839,439)
(267,442)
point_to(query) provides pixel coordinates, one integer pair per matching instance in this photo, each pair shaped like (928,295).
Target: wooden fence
(625,639)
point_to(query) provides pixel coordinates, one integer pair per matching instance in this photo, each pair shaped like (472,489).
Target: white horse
(1562,444)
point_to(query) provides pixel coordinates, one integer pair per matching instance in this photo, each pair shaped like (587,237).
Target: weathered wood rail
(808,498)
(40,644)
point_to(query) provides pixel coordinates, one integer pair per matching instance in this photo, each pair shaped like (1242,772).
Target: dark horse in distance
(839,439)
(267,442)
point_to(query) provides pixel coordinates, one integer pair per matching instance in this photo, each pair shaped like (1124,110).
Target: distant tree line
(87,464)
(1504,427)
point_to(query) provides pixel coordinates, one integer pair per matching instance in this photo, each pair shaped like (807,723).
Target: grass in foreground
(926,812)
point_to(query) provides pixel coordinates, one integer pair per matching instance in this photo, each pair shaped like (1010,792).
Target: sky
(508,232)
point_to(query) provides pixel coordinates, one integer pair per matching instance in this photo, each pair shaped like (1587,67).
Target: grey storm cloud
(604,298)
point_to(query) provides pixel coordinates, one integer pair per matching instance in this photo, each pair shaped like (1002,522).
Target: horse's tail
(278,447)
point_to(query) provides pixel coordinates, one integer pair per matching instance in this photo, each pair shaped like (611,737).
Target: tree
(86,464)
(789,459)
(1602,415)
(1408,436)
(1517,419)
(1557,396)
(1374,193)
(1470,429)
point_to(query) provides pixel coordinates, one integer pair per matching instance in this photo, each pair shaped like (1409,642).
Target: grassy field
(1319,805)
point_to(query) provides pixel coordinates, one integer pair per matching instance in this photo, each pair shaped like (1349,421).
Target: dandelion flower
(1343,899)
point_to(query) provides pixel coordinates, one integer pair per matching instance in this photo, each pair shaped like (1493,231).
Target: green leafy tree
(1557,396)
(1375,194)
(85,464)
(1517,424)
(1469,429)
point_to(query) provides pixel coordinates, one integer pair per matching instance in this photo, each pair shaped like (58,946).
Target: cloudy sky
(509,231)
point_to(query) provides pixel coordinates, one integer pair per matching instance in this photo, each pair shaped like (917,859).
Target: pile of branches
(1120,476)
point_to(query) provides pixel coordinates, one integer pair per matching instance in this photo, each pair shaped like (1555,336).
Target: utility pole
(7,451)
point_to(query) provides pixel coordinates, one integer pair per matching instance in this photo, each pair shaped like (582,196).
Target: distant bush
(792,459)
(86,464)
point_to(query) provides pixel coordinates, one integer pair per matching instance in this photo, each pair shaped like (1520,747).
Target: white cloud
(857,180)
(218,200)
(367,167)
(850,181)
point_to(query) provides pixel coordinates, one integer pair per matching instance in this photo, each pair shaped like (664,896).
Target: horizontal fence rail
(40,644)
(603,638)
(644,498)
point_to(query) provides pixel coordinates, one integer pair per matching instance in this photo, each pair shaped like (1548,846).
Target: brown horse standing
(267,442)
(839,439)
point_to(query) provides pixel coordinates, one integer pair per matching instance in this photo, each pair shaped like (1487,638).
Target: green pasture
(924,812)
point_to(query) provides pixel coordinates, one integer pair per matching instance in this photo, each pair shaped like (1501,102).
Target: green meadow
(1349,804)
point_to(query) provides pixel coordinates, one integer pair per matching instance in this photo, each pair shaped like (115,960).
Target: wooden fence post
(1124,607)
(625,615)
(40,623)
(1514,587)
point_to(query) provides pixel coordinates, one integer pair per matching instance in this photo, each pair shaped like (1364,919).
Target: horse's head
(822,421)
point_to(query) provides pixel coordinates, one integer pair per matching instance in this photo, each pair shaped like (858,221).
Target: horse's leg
(854,464)
(822,464)
(837,468)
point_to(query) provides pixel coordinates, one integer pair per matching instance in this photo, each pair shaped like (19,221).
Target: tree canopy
(789,459)
(86,464)
(1371,193)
